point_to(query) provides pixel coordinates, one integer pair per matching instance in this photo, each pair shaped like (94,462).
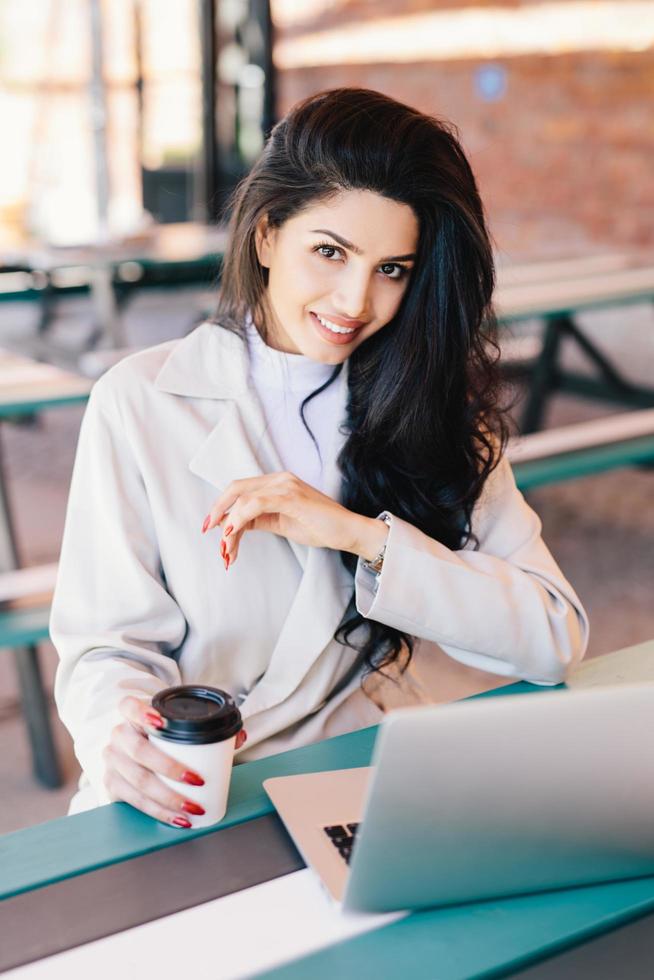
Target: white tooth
(333,327)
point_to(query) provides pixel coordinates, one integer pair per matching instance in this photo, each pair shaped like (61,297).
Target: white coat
(142,599)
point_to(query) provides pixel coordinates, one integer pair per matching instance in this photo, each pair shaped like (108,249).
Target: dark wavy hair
(424,426)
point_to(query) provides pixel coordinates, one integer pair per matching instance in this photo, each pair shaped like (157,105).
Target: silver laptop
(482,799)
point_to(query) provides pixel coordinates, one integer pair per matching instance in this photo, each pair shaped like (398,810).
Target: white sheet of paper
(229,938)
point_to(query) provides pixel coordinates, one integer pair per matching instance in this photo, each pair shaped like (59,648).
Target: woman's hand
(132,763)
(283,504)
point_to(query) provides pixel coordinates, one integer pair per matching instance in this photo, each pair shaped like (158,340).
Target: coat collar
(210,362)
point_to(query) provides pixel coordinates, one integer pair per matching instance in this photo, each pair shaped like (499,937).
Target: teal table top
(68,846)
(30,406)
(466,942)
(480,940)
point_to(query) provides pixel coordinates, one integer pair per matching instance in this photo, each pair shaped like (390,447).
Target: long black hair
(424,427)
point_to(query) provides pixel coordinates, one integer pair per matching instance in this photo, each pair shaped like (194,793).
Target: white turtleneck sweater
(282,381)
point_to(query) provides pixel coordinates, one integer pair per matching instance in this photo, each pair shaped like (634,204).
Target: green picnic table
(556,293)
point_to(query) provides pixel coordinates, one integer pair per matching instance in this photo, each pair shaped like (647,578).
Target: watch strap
(375,564)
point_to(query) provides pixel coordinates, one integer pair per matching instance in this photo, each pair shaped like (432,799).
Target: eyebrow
(357,251)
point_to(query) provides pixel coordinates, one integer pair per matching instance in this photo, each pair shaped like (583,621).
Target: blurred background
(126,124)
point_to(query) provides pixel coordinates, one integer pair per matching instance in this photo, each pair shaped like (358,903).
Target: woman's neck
(283,369)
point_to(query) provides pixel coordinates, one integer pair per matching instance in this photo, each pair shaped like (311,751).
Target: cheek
(302,280)
(388,297)
(313,277)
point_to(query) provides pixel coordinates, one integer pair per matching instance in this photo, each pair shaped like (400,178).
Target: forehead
(369,220)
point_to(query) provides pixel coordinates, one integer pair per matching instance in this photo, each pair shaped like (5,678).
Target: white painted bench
(625,439)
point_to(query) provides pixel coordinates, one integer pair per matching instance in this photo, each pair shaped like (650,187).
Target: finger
(251,511)
(136,745)
(228,498)
(141,713)
(229,544)
(225,502)
(121,789)
(148,783)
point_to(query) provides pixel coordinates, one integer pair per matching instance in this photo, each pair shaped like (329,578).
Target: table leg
(543,379)
(547,376)
(36,710)
(612,378)
(46,305)
(108,321)
(35,703)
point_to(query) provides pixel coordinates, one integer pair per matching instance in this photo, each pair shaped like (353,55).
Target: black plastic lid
(197,714)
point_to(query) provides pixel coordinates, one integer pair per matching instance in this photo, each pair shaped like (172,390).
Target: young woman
(305,501)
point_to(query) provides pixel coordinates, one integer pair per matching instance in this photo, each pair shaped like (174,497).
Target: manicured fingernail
(155,720)
(206,523)
(223,545)
(193,808)
(228,530)
(192,778)
(228,561)
(181,822)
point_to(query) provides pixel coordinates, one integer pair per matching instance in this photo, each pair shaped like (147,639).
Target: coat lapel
(317,609)
(212,363)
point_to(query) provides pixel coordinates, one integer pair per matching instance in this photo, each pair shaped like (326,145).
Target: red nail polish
(222,549)
(181,822)
(192,778)
(206,523)
(228,530)
(228,560)
(193,808)
(155,720)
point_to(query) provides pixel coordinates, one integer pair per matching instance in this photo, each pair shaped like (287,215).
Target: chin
(328,356)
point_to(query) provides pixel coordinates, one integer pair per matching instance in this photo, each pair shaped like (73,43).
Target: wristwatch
(375,564)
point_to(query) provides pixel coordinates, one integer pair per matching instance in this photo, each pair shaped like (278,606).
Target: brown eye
(327,248)
(400,270)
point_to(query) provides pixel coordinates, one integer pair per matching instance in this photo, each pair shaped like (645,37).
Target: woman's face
(345,262)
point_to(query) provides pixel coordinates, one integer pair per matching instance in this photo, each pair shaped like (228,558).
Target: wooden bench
(626,439)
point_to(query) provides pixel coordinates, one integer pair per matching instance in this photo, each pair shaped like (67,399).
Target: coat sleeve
(505,607)
(114,625)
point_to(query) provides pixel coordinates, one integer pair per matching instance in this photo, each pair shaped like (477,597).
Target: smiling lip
(340,321)
(333,337)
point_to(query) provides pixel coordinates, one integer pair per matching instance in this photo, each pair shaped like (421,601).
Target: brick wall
(564,159)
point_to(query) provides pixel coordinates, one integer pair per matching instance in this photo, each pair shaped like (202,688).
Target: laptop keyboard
(342,837)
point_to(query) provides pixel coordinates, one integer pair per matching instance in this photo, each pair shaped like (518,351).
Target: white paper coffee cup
(200,732)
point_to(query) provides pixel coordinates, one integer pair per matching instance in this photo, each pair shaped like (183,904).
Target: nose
(352,297)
